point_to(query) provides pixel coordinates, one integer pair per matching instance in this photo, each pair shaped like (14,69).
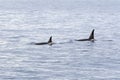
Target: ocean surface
(67,59)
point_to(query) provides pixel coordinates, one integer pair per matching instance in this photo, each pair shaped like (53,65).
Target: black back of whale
(91,37)
(44,43)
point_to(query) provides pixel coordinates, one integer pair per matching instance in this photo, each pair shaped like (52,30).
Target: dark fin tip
(92,34)
(50,39)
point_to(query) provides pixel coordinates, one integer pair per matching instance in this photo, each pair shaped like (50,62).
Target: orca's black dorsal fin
(92,34)
(50,40)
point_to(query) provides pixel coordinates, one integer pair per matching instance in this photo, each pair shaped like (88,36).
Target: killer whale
(91,37)
(45,43)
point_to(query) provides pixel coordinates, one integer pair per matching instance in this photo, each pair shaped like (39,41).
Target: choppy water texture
(67,59)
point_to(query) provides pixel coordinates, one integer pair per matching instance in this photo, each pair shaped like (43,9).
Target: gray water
(67,59)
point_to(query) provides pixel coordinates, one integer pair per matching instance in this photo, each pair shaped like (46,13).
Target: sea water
(67,59)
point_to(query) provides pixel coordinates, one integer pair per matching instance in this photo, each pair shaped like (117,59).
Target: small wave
(84,50)
(3,42)
(70,41)
(110,40)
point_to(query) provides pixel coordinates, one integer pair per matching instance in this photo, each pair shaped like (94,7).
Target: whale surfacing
(91,37)
(45,43)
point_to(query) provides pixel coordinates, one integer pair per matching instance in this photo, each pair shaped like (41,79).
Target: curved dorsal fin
(50,40)
(92,34)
